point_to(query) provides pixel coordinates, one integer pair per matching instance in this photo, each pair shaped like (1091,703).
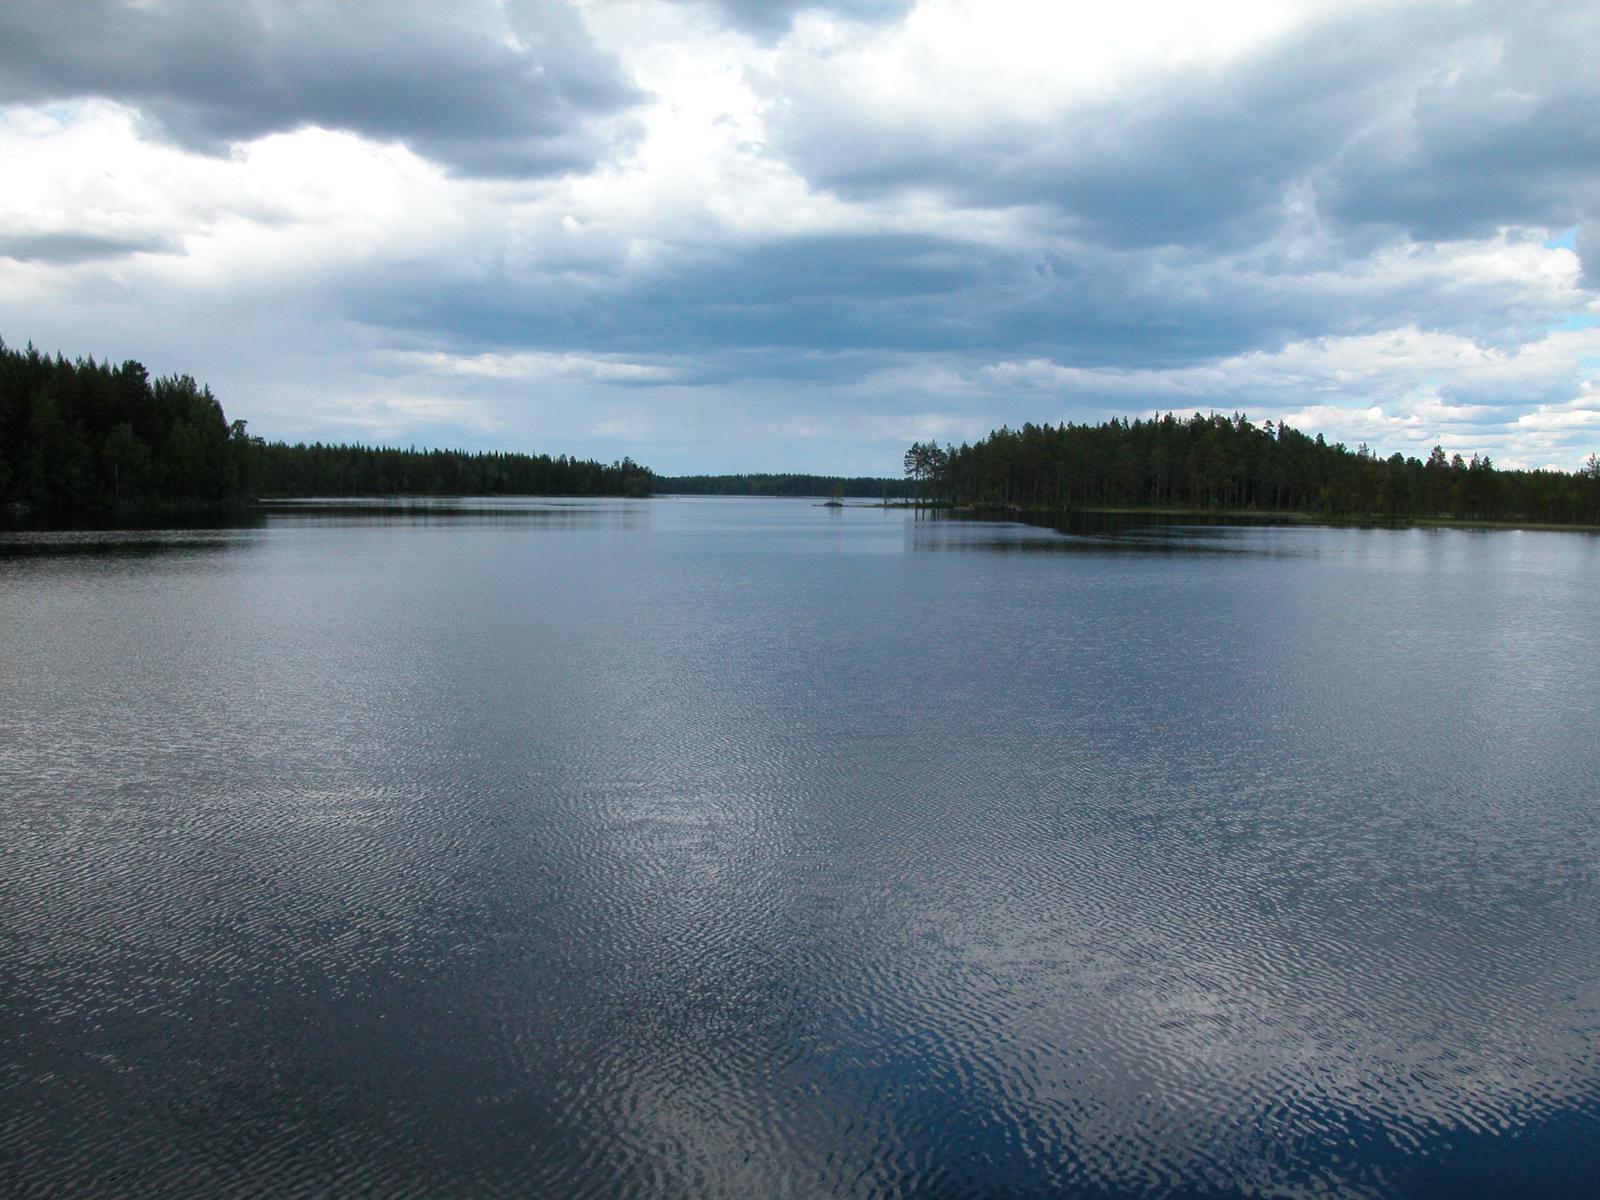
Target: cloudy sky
(769,235)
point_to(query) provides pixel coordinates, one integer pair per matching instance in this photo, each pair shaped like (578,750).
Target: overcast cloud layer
(727,235)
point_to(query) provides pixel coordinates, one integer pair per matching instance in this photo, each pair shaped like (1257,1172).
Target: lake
(726,847)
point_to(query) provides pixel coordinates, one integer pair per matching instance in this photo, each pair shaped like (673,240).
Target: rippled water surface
(752,848)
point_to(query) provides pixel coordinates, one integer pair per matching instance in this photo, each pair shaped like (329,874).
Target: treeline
(319,470)
(1228,463)
(784,485)
(88,435)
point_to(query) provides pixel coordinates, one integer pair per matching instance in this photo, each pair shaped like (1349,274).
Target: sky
(768,235)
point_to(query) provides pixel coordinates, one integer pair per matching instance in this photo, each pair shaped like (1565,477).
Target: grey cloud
(830,306)
(1199,216)
(821,293)
(1442,122)
(1589,253)
(484,90)
(770,19)
(1506,131)
(78,247)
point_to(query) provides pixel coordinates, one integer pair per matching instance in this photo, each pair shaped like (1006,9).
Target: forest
(83,435)
(785,485)
(1224,463)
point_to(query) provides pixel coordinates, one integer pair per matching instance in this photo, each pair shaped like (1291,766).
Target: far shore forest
(1228,464)
(88,436)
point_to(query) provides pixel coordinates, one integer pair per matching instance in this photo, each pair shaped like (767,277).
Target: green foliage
(1223,463)
(319,470)
(924,464)
(76,435)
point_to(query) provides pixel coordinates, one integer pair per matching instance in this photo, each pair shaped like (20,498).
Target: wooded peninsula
(85,435)
(1228,464)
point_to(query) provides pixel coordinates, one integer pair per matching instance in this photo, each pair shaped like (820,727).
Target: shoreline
(1284,516)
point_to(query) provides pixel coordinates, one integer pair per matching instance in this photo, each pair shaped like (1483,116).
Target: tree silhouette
(85,435)
(1220,463)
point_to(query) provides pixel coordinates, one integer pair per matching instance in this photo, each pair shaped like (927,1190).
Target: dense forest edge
(857,486)
(1227,464)
(83,435)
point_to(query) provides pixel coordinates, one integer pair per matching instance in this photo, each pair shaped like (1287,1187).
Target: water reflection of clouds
(1213,1026)
(798,870)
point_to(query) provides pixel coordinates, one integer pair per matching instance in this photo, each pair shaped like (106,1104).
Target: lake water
(718,847)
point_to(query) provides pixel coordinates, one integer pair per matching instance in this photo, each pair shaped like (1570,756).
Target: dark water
(750,848)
